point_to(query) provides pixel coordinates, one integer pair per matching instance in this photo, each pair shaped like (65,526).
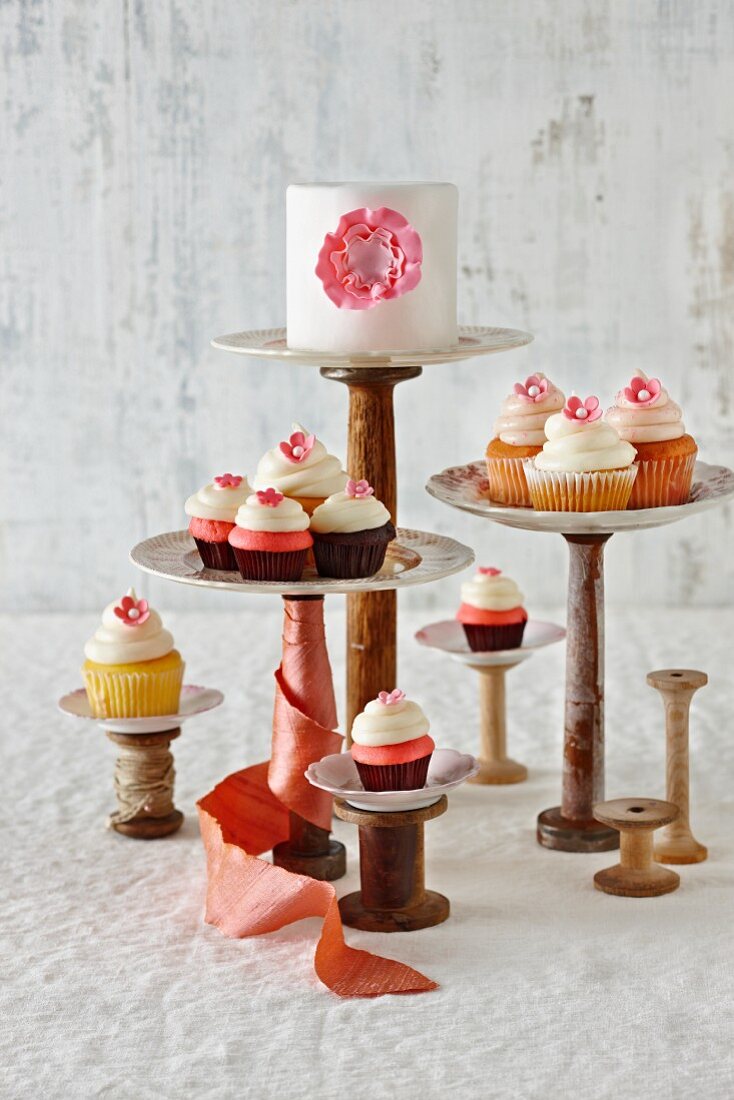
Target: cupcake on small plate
(519,434)
(132,669)
(212,510)
(270,538)
(390,744)
(645,416)
(491,611)
(301,468)
(584,465)
(351,531)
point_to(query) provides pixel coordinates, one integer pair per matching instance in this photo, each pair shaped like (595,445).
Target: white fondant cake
(371,266)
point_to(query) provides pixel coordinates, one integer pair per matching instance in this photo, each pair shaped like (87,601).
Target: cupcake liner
(269,565)
(663,481)
(482,639)
(507,482)
(352,555)
(216,555)
(597,491)
(133,694)
(395,777)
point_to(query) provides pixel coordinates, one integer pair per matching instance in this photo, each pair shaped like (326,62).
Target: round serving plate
(414,557)
(465,487)
(194,700)
(449,637)
(338,775)
(474,340)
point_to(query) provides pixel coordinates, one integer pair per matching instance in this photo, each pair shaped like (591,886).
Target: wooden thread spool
(143,825)
(495,766)
(636,875)
(393,897)
(676,843)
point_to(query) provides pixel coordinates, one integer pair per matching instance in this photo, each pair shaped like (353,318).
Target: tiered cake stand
(571,827)
(371,378)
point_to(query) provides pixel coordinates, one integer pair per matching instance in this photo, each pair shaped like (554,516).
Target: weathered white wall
(146,147)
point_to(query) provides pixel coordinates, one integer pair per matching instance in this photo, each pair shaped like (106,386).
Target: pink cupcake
(212,510)
(390,744)
(270,539)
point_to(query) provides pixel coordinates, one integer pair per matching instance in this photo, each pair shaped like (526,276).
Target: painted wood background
(145,152)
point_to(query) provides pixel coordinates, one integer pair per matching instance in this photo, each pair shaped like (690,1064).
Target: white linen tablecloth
(113,986)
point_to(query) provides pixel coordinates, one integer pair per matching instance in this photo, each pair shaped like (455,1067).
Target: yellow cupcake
(131,668)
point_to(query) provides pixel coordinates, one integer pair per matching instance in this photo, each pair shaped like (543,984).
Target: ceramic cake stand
(571,827)
(371,378)
(415,557)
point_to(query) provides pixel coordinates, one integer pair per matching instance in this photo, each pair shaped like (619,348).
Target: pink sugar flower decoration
(132,612)
(298,447)
(269,498)
(228,481)
(390,698)
(372,257)
(588,410)
(489,571)
(358,490)
(641,392)
(534,389)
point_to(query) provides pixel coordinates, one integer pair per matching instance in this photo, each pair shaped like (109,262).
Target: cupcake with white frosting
(584,466)
(351,531)
(646,417)
(390,744)
(132,669)
(491,611)
(301,468)
(519,433)
(212,510)
(270,538)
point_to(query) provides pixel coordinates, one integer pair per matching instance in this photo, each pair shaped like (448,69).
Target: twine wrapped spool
(144,778)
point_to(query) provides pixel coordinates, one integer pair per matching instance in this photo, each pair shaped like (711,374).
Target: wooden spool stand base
(636,875)
(311,851)
(393,897)
(371,616)
(495,766)
(571,827)
(143,826)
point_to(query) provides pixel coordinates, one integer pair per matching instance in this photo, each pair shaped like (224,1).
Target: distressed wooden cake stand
(371,378)
(572,827)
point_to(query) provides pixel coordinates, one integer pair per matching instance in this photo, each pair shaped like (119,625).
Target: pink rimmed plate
(449,637)
(194,700)
(338,775)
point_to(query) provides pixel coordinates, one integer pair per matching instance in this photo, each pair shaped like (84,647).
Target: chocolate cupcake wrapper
(347,555)
(269,565)
(216,555)
(597,491)
(663,481)
(395,777)
(133,694)
(483,639)
(507,482)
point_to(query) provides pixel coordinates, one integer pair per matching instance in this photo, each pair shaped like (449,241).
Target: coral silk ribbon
(248,813)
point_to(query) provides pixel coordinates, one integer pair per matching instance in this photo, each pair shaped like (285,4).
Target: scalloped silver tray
(465,487)
(474,340)
(415,557)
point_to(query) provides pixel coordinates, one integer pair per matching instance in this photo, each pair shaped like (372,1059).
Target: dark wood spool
(143,826)
(371,616)
(571,827)
(393,897)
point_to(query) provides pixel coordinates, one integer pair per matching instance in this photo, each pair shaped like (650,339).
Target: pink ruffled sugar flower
(390,698)
(358,490)
(489,571)
(588,411)
(372,257)
(132,612)
(228,481)
(298,447)
(641,391)
(269,498)
(534,388)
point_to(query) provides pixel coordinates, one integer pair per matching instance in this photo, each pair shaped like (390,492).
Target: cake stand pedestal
(571,827)
(371,378)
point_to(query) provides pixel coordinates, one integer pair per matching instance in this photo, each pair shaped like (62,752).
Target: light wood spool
(677,686)
(371,616)
(495,766)
(143,826)
(636,875)
(393,897)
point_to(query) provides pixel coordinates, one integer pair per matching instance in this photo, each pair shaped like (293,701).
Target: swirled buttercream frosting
(580,446)
(347,513)
(644,413)
(130,632)
(523,413)
(491,590)
(270,511)
(301,469)
(220,499)
(389,723)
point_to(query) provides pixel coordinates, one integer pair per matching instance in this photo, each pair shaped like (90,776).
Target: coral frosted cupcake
(351,531)
(132,669)
(491,611)
(212,510)
(519,434)
(645,416)
(390,744)
(301,468)
(270,538)
(584,465)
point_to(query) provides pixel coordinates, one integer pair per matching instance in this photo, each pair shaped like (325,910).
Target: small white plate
(449,637)
(338,775)
(194,700)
